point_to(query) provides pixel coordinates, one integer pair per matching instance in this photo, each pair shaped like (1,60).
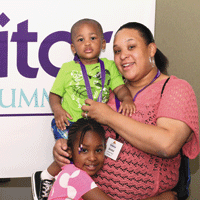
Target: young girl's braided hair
(83,125)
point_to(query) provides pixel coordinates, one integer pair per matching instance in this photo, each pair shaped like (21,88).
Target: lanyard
(86,79)
(117,100)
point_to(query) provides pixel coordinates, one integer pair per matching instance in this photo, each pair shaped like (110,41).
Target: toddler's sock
(45,175)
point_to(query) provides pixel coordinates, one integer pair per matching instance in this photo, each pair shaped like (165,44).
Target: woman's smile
(127,66)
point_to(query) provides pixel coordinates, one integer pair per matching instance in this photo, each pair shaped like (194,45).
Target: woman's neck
(144,81)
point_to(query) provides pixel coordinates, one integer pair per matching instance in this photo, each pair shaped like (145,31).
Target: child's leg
(60,133)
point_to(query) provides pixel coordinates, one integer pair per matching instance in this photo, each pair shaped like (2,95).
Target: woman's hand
(59,152)
(98,111)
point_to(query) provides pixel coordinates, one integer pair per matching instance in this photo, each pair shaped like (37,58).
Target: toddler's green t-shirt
(70,85)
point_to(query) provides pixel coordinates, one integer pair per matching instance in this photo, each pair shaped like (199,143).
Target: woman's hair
(82,126)
(160,59)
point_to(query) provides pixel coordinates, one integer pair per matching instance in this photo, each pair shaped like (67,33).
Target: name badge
(113,148)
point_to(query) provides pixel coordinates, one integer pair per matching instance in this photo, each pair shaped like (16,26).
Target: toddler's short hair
(86,21)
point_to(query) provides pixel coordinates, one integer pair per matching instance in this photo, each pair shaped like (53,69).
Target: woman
(148,162)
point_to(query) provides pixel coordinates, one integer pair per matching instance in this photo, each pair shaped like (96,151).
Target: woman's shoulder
(178,80)
(173,87)
(180,84)
(179,91)
(173,82)
(172,79)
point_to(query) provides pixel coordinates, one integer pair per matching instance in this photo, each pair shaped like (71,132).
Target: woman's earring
(152,61)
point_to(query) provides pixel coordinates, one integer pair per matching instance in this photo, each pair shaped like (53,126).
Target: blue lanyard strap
(86,79)
(117,100)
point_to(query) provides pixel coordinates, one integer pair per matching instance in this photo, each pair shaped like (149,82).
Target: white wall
(26,141)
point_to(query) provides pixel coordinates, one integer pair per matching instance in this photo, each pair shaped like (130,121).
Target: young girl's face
(87,43)
(91,157)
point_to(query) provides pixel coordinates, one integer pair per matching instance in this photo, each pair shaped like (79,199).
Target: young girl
(86,145)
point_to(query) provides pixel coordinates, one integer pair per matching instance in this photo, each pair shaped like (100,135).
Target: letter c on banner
(45,47)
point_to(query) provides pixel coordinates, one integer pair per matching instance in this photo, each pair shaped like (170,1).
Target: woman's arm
(97,194)
(165,139)
(169,195)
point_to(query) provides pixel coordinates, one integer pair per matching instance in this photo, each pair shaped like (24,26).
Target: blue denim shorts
(59,133)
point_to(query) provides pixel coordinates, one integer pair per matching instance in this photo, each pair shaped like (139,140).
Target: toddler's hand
(127,107)
(61,119)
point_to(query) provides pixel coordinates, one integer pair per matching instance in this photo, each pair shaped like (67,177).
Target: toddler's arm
(59,113)
(127,106)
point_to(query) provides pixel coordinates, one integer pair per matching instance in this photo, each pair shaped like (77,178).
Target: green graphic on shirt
(95,84)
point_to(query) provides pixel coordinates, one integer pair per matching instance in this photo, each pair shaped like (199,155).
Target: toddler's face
(91,157)
(87,43)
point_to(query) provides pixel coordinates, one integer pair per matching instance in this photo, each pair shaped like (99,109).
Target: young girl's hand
(61,118)
(127,107)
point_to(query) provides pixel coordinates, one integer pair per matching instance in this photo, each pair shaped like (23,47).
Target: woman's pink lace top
(138,175)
